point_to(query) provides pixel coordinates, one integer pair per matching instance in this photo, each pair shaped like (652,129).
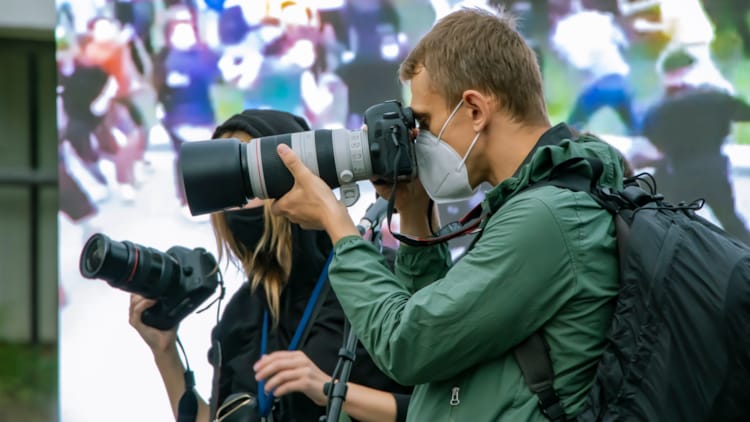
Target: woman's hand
(286,372)
(159,341)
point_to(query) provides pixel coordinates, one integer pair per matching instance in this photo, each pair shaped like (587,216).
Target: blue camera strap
(265,401)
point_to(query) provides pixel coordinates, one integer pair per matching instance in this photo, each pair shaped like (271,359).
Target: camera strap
(265,401)
(468,224)
(187,407)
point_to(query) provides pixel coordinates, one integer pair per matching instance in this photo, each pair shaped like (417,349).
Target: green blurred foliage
(28,382)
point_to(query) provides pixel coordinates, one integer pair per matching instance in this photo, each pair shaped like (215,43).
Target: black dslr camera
(225,173)
(179,280)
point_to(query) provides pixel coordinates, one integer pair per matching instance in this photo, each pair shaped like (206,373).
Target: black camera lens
(95,256)
(106,259)
(214,174)
(129,266)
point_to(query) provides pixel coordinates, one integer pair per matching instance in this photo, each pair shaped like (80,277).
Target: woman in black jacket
(283,263)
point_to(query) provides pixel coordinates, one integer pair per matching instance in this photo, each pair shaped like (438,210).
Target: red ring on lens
(135,265)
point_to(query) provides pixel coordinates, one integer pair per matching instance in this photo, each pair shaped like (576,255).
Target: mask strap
(450,116)
(463,160)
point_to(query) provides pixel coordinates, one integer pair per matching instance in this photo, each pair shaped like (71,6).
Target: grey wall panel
(28,210)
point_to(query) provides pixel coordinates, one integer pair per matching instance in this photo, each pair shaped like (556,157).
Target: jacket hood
(556,146)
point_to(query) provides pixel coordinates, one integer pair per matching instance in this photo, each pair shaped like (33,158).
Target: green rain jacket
(546,259)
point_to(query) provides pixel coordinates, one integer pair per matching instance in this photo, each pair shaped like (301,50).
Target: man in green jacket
(545,261)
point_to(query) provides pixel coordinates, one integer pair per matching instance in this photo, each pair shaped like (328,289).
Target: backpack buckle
(550,406)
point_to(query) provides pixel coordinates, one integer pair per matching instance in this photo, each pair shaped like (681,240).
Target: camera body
(391,147)
(224,173)
(179,280)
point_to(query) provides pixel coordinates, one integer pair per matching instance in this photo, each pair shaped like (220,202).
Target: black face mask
(247,226)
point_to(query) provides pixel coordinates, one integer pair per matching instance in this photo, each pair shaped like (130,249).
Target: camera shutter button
(187,270)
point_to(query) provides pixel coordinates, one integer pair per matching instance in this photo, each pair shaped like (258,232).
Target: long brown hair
(271,262)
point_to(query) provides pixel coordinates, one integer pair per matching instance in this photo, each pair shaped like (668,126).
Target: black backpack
(678,348)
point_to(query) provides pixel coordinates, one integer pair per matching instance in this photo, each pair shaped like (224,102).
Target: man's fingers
(291,161)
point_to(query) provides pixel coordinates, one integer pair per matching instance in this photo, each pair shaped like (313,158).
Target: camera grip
(155,317)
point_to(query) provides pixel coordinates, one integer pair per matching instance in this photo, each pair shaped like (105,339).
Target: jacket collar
(556,145)
(551,136)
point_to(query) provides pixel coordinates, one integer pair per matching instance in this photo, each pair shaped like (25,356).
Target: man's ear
(481,106)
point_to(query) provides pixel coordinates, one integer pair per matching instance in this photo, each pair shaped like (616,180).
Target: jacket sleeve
(417,267)
(516,278)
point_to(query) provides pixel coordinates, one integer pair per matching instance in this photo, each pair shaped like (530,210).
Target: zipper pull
(454,397)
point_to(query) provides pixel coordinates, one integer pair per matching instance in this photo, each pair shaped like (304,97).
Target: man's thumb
(290,159)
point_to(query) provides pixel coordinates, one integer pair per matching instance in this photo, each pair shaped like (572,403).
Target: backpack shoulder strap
(533,358)
(532,354)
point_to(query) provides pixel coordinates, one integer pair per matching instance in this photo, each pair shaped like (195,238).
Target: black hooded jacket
(237,336)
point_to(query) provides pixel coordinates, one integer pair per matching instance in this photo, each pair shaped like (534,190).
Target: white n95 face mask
(439,167)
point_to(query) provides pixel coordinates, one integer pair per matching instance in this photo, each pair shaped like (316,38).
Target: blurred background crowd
(138,73)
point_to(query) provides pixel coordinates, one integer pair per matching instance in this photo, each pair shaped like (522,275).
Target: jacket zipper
(454,396)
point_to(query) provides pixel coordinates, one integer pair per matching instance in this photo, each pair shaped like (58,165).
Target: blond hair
(270,263)
(479,49)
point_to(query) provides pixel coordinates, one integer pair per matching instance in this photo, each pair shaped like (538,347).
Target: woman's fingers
(288,380)
(268,365)
(138,304)
(291,371)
